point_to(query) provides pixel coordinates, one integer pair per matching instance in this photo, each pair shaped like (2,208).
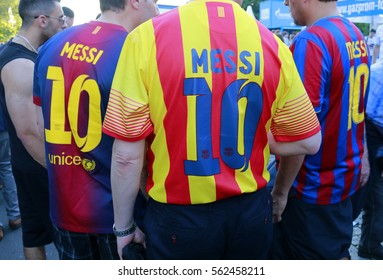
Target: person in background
(370,244)
(211,105)
(69,16)
(78,154)
(280,36)
(378,51)
(41,19)
(318,220)
(7,180)
(370,41)
(286,38)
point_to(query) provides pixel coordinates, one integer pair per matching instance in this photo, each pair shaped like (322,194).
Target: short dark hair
(373,30)
(112,5)
(28,9)
(68,12)
(280,36)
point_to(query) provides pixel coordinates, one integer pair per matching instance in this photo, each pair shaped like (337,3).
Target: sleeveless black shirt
(20,158)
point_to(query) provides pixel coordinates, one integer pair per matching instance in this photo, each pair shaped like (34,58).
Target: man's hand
(137,236)
(279,205)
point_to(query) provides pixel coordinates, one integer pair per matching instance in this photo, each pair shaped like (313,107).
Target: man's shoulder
(11,52)
(18,63)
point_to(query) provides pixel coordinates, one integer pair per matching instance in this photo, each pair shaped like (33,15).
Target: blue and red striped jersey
(72,81)
(332,59)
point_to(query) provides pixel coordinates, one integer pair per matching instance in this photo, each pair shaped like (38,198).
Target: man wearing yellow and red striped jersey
(211,104)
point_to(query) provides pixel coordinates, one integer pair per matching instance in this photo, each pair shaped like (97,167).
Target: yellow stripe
(198,39)
(96,30)
(161,165)
(246,180)
(221,12)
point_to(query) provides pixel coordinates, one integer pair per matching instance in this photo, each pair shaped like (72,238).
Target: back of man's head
(29,9)
(68,12)
(112,5)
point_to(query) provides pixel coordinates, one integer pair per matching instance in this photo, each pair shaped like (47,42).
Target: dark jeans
(313,232)
(235,228)
(372,224)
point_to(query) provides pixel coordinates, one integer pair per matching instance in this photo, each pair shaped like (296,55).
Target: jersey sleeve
(295,118)
(127,117)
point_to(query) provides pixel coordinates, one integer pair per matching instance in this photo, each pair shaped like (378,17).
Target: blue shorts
(235,228)
(313,232)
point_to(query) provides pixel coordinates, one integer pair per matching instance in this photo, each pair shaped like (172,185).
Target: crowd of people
(140,129)
(285,36)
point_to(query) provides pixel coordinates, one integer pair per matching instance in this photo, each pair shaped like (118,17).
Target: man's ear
(42,21)
(134,3)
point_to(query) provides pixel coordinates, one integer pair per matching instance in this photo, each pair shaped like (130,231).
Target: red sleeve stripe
(297,117)
(123,111)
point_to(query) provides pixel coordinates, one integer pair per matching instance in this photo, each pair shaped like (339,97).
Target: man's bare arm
(308,146)
(127,165)
(287,171)
(19,102)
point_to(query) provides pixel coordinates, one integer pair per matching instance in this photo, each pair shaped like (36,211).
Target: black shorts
(313,232)
(33,194)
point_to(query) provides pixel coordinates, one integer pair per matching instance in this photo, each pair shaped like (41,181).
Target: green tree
(10,21)
(254,4)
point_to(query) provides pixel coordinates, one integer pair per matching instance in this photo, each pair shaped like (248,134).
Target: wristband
(125,232)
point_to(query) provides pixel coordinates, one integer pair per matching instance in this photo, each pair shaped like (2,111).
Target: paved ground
(355,239)
(11,246)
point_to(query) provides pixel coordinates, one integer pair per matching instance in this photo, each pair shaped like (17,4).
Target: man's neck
(30,37)
(322,10)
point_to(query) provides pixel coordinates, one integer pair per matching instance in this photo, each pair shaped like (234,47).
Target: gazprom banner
(359,8)
(274,14)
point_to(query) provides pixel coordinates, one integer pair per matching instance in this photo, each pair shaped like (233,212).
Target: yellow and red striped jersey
(205,83)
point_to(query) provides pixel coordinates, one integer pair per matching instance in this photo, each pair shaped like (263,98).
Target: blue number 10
(206,165)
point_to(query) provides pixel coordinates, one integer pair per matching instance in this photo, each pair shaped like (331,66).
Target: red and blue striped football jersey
(332,59)
(205,83)
(73,77)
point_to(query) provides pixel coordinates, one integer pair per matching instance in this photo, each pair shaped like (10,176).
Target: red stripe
(331,132)
(150,158)
(313,84)
(171,75)
(222,25)
(271,74)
